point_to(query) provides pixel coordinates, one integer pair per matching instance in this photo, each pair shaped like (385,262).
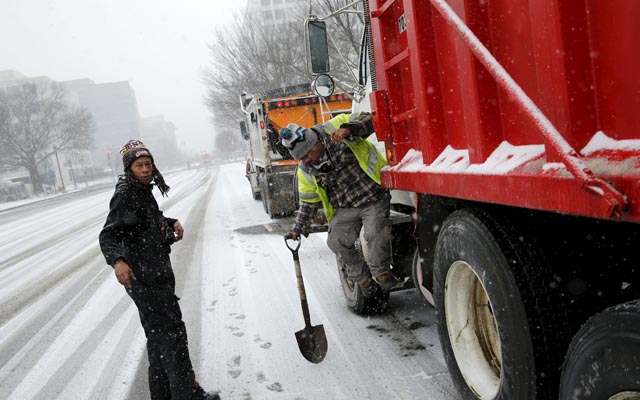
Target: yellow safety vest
(369,160)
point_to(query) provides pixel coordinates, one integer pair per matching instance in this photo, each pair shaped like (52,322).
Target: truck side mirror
(323,85)
(243,130)
(317,46)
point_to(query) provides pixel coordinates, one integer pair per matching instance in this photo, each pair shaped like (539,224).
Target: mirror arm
(344,60)
(346,88)
(242,107)
(342,10)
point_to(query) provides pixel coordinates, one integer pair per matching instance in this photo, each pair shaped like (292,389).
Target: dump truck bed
(532,104)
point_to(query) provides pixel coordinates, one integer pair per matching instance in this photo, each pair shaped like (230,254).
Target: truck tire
(264,187)
(487,296)
(354,295)
(603,361)
(423,289)
(256,195)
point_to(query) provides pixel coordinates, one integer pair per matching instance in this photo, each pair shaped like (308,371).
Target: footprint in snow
(212,306)
(232,364)
(265,345)
(235,331)
(260,377)
(275,387)
(232,328)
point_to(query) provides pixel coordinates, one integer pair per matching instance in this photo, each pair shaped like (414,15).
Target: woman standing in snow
(135,241)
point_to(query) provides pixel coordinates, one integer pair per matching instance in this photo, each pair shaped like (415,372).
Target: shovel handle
(294,251)
(301,290)
(303,294)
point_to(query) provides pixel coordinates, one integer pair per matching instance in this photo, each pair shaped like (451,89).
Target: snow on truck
(515,127)
(270,168)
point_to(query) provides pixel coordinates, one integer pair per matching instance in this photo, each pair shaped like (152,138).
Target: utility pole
(84,171)
(60,171)
(113,170)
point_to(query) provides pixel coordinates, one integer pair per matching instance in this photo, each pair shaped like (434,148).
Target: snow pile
(505,158)
(600,141)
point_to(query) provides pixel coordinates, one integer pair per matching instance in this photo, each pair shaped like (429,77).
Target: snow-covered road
(69,331)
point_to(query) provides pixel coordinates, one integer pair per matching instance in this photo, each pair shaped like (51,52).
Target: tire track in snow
(15,301)
(29,336)
(35,318)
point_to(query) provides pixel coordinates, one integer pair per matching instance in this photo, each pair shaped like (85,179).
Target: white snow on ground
(69,331)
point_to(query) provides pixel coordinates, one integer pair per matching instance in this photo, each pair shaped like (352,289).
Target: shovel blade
(312,342)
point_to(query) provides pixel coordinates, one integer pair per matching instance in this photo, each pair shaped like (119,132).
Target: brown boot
(388,281)
(368,287)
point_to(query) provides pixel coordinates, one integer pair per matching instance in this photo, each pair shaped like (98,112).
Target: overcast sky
(159,46)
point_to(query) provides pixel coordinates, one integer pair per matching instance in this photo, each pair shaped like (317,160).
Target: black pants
(171,375)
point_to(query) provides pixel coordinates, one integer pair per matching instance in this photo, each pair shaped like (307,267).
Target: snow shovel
(312,340)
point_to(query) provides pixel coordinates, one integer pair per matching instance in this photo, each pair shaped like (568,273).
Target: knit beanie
(134,149)
(298,140)
(131,151)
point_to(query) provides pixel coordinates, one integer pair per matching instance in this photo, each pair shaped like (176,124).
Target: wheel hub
(473,331)
(626,396)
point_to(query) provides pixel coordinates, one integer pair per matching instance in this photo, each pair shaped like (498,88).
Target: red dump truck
(516,127)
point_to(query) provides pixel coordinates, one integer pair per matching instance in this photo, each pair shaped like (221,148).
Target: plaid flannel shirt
(348,186)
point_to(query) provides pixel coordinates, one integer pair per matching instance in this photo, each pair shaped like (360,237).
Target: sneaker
(368,288)
(388,281)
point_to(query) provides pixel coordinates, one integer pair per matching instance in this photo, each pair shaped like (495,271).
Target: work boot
(368,287)
(388,281)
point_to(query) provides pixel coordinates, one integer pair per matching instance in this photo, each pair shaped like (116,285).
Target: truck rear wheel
(603,361)
(483,325)
(417,273)
(256,194)
(264,187)
(354,294)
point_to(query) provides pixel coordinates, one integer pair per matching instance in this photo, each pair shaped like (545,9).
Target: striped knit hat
(135,149)
(132,150)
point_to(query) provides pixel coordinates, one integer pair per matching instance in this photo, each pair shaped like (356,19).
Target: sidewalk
(91,185)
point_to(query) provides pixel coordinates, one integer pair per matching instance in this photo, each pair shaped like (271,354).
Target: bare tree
(36,121)
(252,56)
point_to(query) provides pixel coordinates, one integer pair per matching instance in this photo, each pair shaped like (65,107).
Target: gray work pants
(344,229)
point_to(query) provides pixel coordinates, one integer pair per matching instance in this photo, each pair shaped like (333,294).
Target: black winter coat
(135,231)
